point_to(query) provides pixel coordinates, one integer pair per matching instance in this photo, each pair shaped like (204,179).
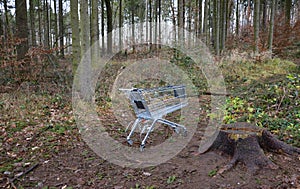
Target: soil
(66,161)
(70,167)
(74,165)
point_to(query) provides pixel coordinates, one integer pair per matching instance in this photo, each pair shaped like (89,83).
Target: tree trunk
(120,25)
(132,24)
(246,143)
(109,26)
(150,27)
(206,21)
(75,35)
(189,20)
(156,23)
(223,24)
(271,30)
(7,32)
(288,7)
(1,34)
(39,22)
(94,30)
(264,15)
(180,13)
(61,28)
(46,24)
(84,27)
(159,22)
(32,22)
(102,28)
(216,27)
(237,15)
(21,28)
(256,26)
(55,24)
(200,18)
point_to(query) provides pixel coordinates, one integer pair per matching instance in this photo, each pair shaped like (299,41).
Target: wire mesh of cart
(152,105)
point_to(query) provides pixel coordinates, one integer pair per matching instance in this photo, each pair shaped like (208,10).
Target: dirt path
(78,167)
(65,161)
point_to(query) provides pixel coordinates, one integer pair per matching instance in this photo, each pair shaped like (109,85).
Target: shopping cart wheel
(184,133)
(142,147)
(177,130)
(130,142)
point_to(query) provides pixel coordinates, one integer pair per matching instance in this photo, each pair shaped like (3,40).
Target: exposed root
(245,143)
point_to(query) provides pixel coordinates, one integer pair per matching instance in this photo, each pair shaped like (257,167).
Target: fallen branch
(11,181)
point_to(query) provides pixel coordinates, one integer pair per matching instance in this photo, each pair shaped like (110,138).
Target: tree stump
(246,143)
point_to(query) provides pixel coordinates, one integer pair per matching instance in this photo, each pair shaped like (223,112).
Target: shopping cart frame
(152,105)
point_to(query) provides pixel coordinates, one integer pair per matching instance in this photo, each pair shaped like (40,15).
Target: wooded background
(61,27)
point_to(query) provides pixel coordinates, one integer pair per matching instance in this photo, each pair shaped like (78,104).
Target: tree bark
(102,28)
(109,26)
(120,25)
(256,26)
(246,143)
(46,23)
(55,25)
(237,15)
(75,35)
(94,30)
(132,7)
(7,32)
(206,22)
(223,27)
(21,28)
(84,27)
(200,18)
(32,22)
(61,28)
(288,7)
(271,30)
(216,28)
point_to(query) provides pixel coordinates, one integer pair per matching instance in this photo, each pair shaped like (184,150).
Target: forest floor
(42,148)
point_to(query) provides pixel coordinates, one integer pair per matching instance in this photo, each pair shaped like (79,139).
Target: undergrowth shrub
(277,108)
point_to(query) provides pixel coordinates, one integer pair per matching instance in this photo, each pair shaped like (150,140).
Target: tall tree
(84,27)
(40,22)
(237,15)
(288,7)
(223,21)
(200,18)
(7,32)
(46,23)
(216,29)
(206,20)
(256,25)
(120,25)
(180,13)
(109,25)
(150,27)
(264,14)
(132,10)
(271,30)
(102,27)
(32,22)
(61,27)
(94,29)
(55,24)
(75,35)
(21,28)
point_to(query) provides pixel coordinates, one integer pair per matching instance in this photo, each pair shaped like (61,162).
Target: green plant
(150,187)
(137,186)
(212,173)
(171,179)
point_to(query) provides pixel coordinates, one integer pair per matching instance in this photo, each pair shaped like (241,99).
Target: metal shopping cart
(151,105)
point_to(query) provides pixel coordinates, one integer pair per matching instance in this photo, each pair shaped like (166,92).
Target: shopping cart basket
(151,105)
